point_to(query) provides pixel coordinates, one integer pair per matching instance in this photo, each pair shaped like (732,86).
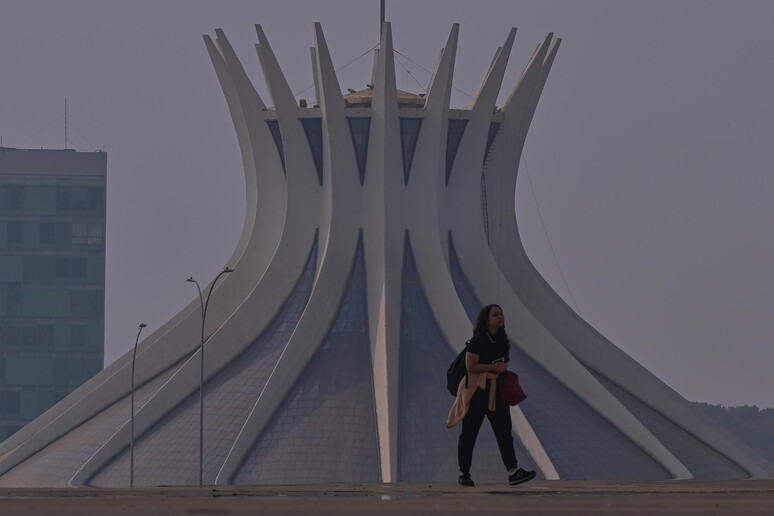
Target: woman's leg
(500,420)
(470,427)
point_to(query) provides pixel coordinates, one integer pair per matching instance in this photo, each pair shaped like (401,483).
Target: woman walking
(487,357)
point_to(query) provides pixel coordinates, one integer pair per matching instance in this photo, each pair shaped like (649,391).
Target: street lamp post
(131,425)
(204,304)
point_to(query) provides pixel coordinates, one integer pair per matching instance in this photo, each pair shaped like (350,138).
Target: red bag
(509,389)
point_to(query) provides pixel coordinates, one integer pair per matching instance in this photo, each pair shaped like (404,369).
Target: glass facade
(359,128)
(494,127)
(409,134)
(52,277)
(277,135)
(313,129)
(453,139)
(325,429)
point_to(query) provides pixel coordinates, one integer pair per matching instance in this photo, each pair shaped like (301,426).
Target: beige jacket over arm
(462,403)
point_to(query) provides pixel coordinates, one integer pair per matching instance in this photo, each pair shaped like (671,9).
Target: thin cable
(432,75)
(411,75)
(36,133)
(88,144)
(499,215)
(545,231)
(338,69)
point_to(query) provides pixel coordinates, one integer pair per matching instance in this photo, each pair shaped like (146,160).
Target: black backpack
(457,371)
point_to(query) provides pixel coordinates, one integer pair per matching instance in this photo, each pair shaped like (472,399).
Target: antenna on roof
(381,18)
(376,50)
(65,124)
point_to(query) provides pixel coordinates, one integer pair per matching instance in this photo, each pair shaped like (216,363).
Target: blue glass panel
(313,129)
(701,460)
(168,454)
(359,128)
(325,430)
(467,297)
(277,135)
(493,128)
(453,139)
(409,134)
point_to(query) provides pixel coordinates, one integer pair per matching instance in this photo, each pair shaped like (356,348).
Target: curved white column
(338,242)
(256,312)
(382,192)
(425,185)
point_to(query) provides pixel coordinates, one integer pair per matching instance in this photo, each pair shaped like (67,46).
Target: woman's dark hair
(483,318)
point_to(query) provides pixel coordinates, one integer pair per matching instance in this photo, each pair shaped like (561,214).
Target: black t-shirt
(488,351)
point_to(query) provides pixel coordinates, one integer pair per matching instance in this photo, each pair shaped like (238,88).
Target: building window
(359,128)
(78,302)
(313,129)
(453,139)
(47,232)
(78,267)
(38,336)
(11,198)
(67,267)
(94,234)
(29,336)
(46,336)
(87,303)
(409,134)
(13,402)
(275,133)
(87,233)
(10,336)
(63,198)
(39,269)
(96,303)
(13,299)
(79,233)
(15,232)
(77,336)
(62,267)
(80,198)
(96,198)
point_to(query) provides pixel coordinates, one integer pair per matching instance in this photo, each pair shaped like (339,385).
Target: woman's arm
(472,365)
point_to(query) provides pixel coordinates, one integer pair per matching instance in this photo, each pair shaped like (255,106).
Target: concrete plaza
(737,497)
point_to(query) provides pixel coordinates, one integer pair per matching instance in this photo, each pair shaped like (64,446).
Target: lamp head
(228,269)
(191,279)
(143,325)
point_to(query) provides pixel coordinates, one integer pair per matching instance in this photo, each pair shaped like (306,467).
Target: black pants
(500,420)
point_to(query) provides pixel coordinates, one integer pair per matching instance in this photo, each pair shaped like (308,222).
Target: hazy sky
(650,155)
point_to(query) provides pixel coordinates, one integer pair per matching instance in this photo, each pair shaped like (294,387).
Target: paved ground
(740,497)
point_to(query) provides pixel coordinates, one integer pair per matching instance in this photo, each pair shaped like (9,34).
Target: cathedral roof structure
(377,225)
(365,98)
